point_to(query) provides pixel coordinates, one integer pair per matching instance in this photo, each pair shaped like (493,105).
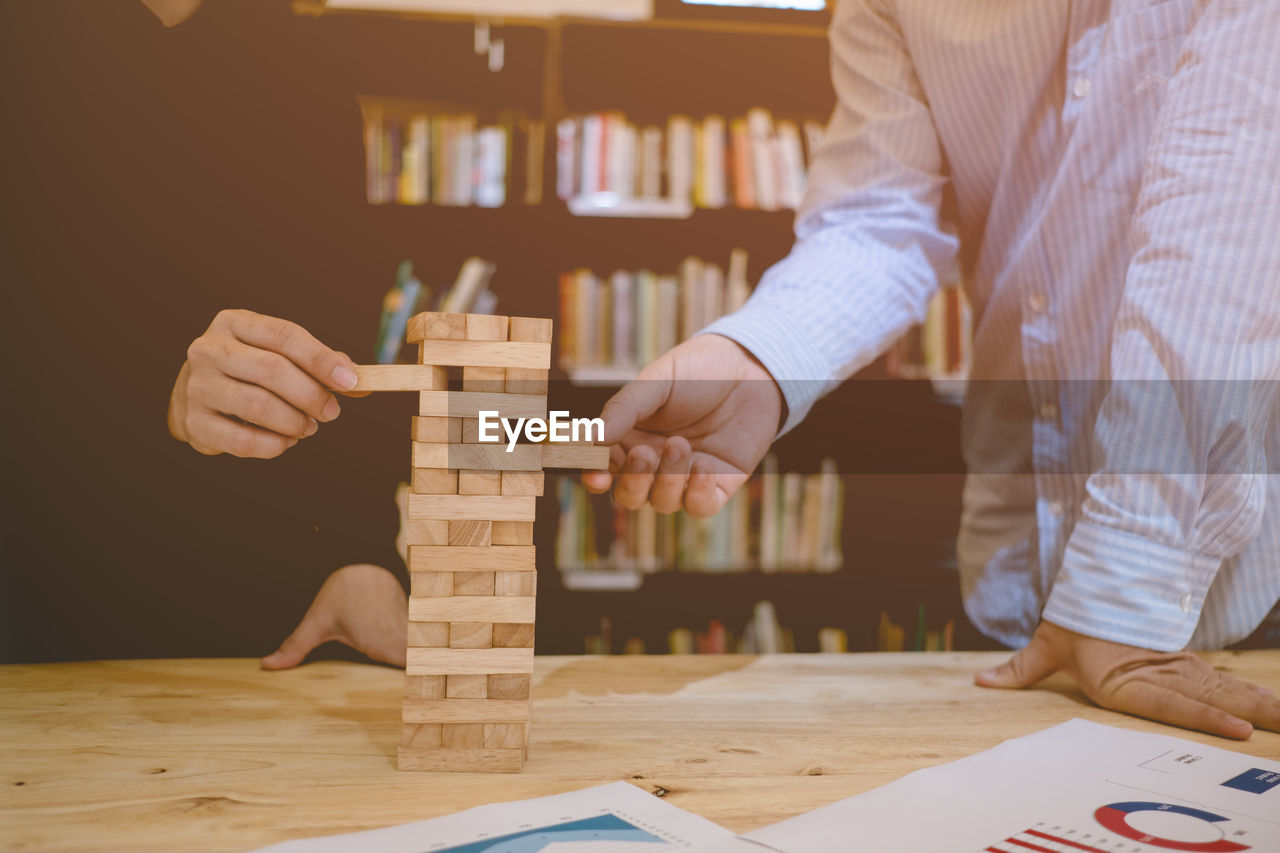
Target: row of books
(469,294)
(892,637)
(776,522)
(939,347)
(751,162)
(630,318)
(416,158)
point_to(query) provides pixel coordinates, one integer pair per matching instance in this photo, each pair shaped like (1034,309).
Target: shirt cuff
(1124,588)
(778,341)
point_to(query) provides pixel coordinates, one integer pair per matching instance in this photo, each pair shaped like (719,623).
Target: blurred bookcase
(883,564)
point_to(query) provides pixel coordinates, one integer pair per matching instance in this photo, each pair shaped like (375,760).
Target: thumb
(1028,665)
(309,634)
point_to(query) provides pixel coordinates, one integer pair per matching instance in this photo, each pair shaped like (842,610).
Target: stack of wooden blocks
(469,532)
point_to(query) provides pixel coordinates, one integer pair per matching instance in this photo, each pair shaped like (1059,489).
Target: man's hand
(363,606)
(690,429)
(1179,688)
(254,385)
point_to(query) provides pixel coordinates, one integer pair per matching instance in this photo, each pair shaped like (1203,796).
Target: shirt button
(1056,508)
(1037,302)
(1049,411)
(1185,603)
(1082,87)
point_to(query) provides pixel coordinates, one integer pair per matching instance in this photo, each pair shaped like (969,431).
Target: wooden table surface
(217,755)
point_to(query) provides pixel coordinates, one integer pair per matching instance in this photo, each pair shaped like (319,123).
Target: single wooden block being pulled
(400,377)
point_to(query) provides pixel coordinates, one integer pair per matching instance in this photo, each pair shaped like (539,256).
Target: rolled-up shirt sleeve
(870,241)
(1179,453)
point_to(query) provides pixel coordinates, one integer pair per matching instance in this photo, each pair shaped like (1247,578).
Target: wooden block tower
(469,531)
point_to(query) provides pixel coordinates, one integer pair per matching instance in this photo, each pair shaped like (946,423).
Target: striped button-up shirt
(1105,179)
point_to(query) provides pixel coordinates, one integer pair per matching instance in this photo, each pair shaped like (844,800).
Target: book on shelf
(628,319)
(417,155)
(752,162)
(940,346)
(892,637)
(774,523)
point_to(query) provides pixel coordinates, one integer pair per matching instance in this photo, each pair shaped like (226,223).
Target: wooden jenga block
(429,687)
(428,634)
(515,583)
(475,583)
(472,608)
(470,635)
(508,686)
(474,482)
(505,558)
(463,686)
(470,533)
(461,760)
(435,481)
(523,380)
(462,736)
(465,710)
(521,354)
(420,735)
(524,458)
(469,404)
(512,636)
(513,532)
(437,430)
(486,327)
(437,584)
(426,531)
(473,507)
(400,377)
(479,662)
(436,327)
(492,379)
(588,456)
(523,482)
(504,735)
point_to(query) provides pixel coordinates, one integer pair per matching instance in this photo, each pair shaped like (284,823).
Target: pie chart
(1168,826)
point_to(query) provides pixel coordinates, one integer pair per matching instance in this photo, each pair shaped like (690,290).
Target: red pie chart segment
(1114,817)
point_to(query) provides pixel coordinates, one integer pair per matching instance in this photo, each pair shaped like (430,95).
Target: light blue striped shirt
(1105,176)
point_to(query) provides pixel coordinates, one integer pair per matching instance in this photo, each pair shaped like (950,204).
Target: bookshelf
(901,485)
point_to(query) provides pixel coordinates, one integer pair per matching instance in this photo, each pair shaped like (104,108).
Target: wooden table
(217,755)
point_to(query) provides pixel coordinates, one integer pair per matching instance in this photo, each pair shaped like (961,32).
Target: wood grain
(515,583)
(486,327)
(471,534)
(469,404)
(523,482)
(480,662)
(429,634)
(528,355)
(470,635)
(465,711)
(474,482)
(464,686)
(464,507)
(504,558)
(508,687)
(434,481)
(425,531)
(435,325)
(474,583)
(461,760)
(588,456)
(473,608)
(513,532)
(486,457)
(423,584)
(437,430)
(217,755)
(399,377)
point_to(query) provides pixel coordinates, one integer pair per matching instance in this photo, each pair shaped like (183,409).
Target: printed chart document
(1079,787)
(616,818)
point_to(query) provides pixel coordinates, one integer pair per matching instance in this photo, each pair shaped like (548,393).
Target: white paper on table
(614,818)
(1078,787)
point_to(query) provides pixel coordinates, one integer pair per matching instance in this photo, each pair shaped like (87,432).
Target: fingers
(259,407)
(211,433)
(1165,704)
(1239,699)
(283,378)
(667,493)
(332,368)
(631,486)
(708,489)
(599,482)
(1036,661)
(310,633)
